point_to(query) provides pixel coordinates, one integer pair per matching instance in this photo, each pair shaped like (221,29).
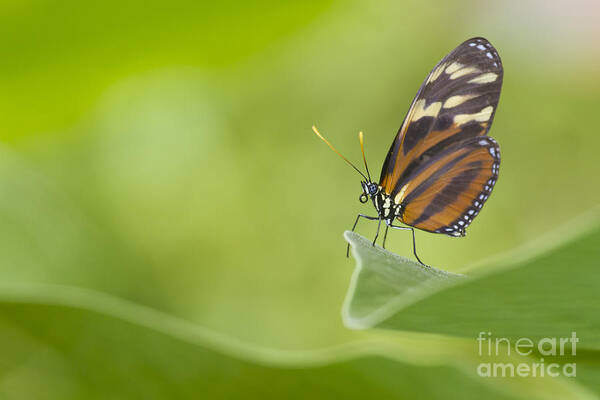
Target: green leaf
(77,343)
(384,282)
(550,295)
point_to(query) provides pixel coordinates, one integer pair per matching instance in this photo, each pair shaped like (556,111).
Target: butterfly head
(370,190)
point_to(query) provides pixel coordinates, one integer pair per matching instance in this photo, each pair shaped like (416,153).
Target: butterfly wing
(456,102)
(447,192)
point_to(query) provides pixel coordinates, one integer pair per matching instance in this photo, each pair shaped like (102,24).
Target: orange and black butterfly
(442,166)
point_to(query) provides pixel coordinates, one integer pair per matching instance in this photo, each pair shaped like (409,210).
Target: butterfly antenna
(314,128)
(362,148)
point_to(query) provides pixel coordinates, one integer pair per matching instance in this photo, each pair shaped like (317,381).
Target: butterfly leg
(359,216)
(385,234)
(377,234)
(406,228)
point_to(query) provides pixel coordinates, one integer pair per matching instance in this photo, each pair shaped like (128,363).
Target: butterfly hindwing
(457,101)
(448,191)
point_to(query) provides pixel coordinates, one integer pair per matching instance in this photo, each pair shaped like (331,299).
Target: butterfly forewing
(457,101)
(441,166)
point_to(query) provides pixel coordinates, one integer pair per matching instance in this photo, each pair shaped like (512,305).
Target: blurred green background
(162,153)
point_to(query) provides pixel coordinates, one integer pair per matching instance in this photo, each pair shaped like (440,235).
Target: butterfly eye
(363,198)
(372,189)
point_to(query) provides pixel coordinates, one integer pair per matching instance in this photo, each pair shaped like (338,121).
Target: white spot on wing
(484,78)
(464,71)
(400,196)
(480,116)
(453,67)
(420,111)
(480,47)
(436,73)
(454,101)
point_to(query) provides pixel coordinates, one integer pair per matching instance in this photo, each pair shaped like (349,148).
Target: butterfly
(441,167)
